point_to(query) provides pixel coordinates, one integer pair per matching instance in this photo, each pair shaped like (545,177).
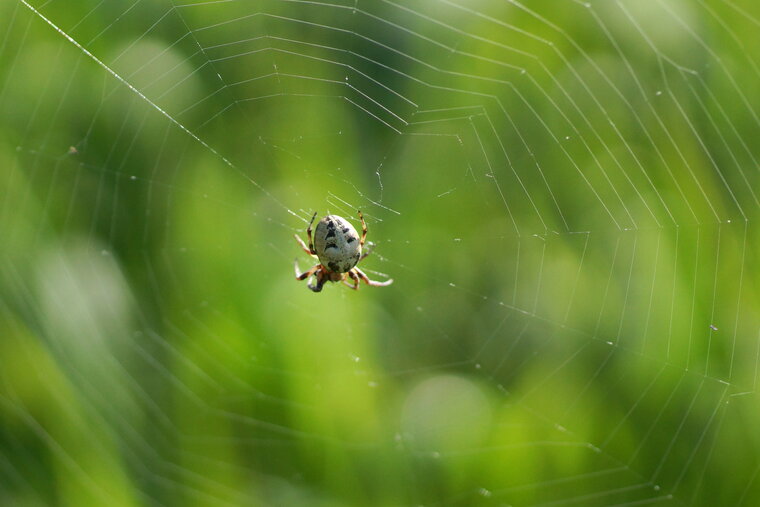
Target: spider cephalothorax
(338,247)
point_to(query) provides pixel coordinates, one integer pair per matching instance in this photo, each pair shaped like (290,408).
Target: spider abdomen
(337,244)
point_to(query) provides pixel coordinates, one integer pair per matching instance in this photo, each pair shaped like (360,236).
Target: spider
(338,248)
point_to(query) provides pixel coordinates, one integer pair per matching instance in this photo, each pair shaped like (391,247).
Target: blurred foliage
(564,193)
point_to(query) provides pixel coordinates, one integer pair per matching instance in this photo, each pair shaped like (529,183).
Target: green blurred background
(565,193)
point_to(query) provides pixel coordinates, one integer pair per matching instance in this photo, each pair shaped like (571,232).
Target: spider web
(566,194)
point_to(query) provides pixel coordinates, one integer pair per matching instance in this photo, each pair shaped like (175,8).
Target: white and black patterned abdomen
(337,244)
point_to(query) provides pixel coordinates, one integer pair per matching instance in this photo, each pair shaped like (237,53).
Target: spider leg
(368,251)
(355,278)
(321,279)
(303,245)
(364,229)
(308,233)
(304,276)
(373,283)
